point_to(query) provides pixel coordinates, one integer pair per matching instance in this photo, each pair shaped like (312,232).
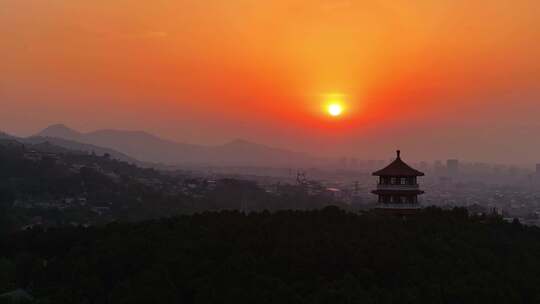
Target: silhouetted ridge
(59,130)
(150,148)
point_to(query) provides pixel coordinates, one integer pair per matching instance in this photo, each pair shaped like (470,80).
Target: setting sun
(334,104)
(335,109)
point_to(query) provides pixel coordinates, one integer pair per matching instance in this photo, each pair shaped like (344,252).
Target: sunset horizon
(273,152)
(440,79)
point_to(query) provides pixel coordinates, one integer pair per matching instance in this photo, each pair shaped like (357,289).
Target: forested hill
(323,256)
(54,185)
(45,171)
(47,185)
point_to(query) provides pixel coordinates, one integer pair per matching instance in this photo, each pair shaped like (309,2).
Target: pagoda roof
(398,168)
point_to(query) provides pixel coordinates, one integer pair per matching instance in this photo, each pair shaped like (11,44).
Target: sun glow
(335,109)
(334,105)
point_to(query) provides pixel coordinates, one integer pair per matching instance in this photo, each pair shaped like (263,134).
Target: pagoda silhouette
(398,188)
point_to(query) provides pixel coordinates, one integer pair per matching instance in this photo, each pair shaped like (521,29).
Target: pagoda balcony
(397,187)
(398,206)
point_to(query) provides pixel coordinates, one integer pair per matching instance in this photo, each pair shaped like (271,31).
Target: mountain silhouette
(60,131)
(63,146)
(73,145)
(150,148)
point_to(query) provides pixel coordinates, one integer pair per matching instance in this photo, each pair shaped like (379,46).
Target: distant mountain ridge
(65,145)
(59,131)
(150,148)
(78,146)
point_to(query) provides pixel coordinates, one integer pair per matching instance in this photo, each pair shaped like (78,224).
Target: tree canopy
(319,256)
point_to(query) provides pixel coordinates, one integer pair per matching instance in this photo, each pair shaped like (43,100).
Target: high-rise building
(452,166)
(438,167)
(538,169)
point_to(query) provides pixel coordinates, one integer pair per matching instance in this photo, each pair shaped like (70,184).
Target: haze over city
(439,79)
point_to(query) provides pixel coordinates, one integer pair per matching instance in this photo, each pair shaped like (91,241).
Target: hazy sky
(439,79)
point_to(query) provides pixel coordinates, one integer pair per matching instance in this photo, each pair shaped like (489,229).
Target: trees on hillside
(319,256)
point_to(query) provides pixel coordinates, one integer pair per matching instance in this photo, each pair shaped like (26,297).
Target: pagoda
(398,187)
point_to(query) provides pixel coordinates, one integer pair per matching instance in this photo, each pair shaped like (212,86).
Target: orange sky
(449,78)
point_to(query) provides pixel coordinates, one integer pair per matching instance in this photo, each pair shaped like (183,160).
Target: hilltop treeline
(321,256)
